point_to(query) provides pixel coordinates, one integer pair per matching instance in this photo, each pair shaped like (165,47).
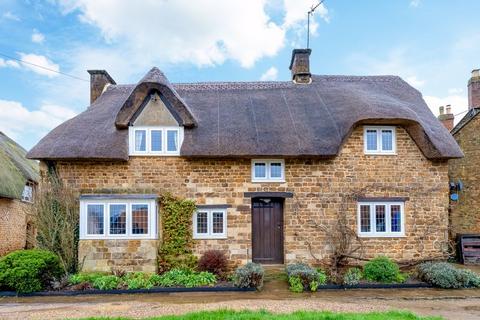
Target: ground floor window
(117,218)
(381,219)
(210,223)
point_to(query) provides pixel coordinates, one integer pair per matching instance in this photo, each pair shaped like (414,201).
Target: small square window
(210,224)
(156,140)
(27,194)
(140,140)
(268,170)
(95,213)
(381,219)
(172,140)
(379,140)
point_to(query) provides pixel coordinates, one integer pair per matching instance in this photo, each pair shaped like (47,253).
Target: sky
(432,44)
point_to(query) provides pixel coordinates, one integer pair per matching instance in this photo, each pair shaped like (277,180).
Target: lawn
(299,315)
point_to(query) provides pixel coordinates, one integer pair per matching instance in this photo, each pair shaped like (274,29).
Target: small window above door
(271,170)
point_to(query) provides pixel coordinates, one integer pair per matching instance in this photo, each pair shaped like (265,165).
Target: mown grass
(299,315)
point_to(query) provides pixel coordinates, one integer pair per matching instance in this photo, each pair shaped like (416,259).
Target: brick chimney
(474,90)
(98,80)
(300,66)
(446,118)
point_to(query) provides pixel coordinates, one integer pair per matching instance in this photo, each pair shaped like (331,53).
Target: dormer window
(155,140)
(379,140)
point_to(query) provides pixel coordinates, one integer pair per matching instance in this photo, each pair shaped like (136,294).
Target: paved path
(452,304)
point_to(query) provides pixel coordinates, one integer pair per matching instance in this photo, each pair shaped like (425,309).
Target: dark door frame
(281,201)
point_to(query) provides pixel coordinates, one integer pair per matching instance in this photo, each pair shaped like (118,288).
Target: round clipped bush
(382,269)
(249,276)
(214,261)
(352,277)
(445,275)
(29,270)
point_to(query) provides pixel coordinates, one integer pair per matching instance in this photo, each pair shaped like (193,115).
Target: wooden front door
(267,230)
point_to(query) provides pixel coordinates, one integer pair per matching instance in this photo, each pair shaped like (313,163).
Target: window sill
(379,154)
(223,237)
(268,181)
(154,154)
(112,237)
(382,235)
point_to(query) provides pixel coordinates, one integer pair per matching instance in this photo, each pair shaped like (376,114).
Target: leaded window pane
(118,219)
(365,225)
(95,219)
(139,219)
(202,222)
(217,222)
(380,220)
(396,218)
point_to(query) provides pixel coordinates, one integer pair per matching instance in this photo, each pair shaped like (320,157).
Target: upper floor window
(381,219)
(117,219)
(155,140)
(379,140)
(27,194)
(268,170)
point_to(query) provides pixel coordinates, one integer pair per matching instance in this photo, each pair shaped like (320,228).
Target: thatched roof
(15,168)
(253,119)
(469,116)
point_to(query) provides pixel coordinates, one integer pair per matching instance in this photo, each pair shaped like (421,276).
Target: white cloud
(10,16)
(9,63)
(17,121)
(34,61)
(204,33)
(415,3)
(459,104)
(37,37)
(270,75)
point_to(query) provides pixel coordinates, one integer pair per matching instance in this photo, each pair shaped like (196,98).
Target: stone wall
(321,189)
(125,255)
(465,213)
(13,225)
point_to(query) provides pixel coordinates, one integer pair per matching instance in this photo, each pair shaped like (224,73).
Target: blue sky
(432,44)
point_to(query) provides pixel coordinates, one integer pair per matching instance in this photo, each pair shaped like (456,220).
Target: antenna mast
(310,12)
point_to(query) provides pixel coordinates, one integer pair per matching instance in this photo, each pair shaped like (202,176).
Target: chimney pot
(441,109)
(448,109)
(300,66)
(99,79)
(474,90)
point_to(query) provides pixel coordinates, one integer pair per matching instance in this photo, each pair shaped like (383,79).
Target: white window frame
(373,230)
(379,150)
(268,163)
(148,140)
(152,219)
(27,193)
(210,234)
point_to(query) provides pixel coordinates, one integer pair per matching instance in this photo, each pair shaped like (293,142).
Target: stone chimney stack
(474,90)
(446,118)
(99,79)
(300,66)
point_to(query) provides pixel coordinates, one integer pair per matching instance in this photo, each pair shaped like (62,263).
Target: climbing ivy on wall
(176,250)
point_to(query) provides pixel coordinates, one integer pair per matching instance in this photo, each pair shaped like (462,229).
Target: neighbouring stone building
(18,177)
(465,213)
(266,162)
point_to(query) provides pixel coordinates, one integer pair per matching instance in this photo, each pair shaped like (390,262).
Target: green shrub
(382,269)
(249,276)
(295,284)
(109,282)
(84,277)
(445,275)
(137,280)
(29,270)
(176,250)
(309,277)
(183,278)
(352,277)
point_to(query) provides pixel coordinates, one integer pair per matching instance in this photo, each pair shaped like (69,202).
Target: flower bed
(381,272)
